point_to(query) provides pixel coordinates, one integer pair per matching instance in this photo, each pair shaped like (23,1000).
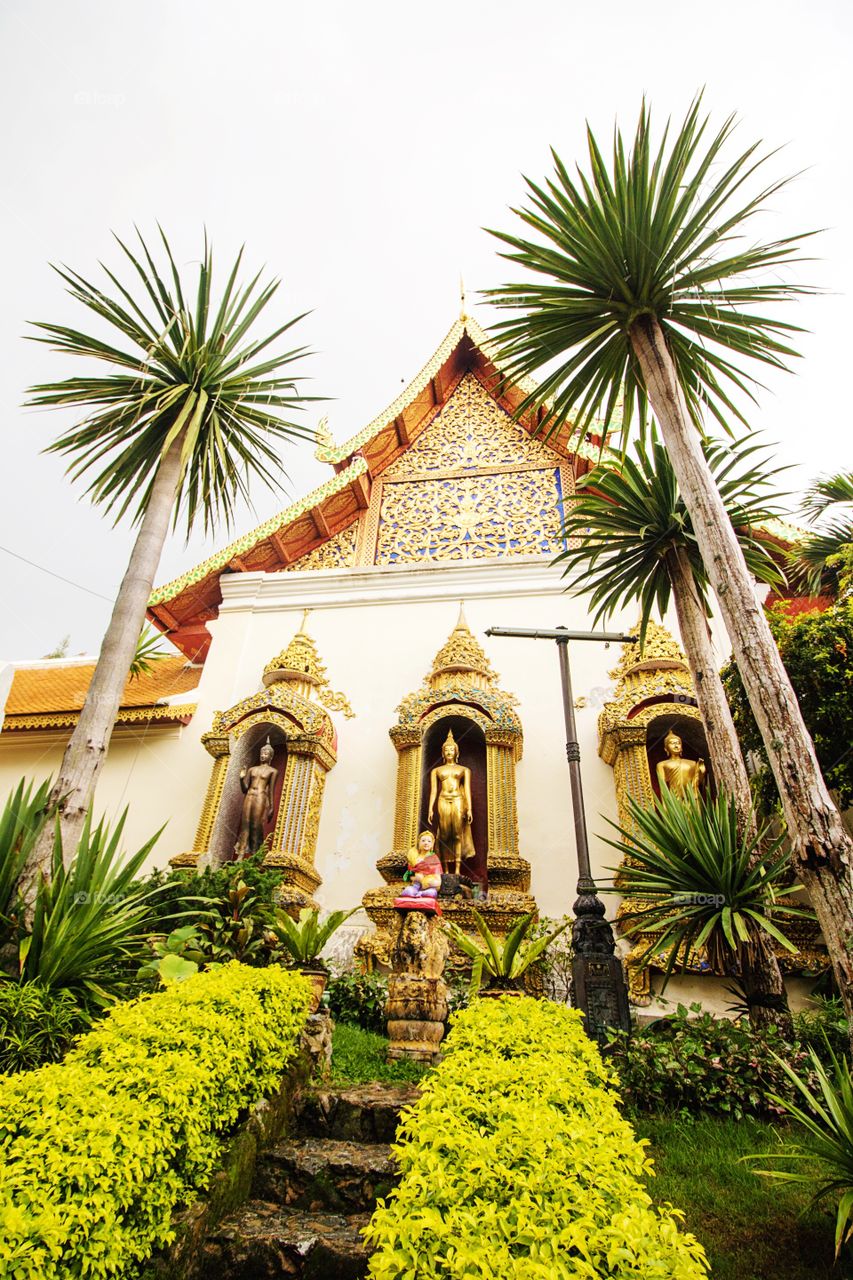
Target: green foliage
(504,962)
(182,372)
(629,522)
(231,908)
(823,1026)
(694,1063)
(22,820)
(699,880)
(555,962)
(359,1057)
(303,940)
(660,235)
(826,1121)
(176,957)
(36,1025)
(824,559)
(516,1163)
(88,930)
(817,650)
(149,651)
(98,1151)
(358,999)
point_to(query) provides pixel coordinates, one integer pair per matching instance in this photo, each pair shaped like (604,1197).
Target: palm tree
(630,539)
(653,299)
(827,553)
(189,411)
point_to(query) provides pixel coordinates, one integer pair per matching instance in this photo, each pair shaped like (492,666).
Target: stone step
(265,1242)
(325,1174)
(364,1113)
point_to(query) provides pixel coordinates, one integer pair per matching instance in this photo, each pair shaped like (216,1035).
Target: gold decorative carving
(156,715)
(337,552)
(470,517)
(312,816)
(470,432)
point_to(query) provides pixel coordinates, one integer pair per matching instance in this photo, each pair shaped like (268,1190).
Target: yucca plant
(827,1119)
(89,926)
(646,289)
(22,818)
(504,962)
(305,938)
(190,410)
(694,878)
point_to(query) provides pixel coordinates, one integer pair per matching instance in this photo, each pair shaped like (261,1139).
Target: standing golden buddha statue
(450,796)
(258,787)
(679,775)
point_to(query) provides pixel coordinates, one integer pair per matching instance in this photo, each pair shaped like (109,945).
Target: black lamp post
(598,985)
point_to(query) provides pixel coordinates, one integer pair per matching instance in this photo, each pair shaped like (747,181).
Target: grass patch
(358,1057)
(752,1228)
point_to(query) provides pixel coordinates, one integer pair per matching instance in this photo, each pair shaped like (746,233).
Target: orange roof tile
(62,688)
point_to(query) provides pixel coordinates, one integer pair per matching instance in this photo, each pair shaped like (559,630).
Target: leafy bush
(184,897)
(358,999)
(516,1163)
(705,1064)
(97,1152)
(816,649)
(823,1026)
(36,1026)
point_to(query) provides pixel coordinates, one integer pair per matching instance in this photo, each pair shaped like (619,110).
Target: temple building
(335,660)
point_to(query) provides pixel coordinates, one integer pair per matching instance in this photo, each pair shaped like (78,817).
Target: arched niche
(245,752)
(471,742)
(690,730)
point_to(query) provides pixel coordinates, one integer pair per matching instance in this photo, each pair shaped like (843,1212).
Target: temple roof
(50,696)
(184,606)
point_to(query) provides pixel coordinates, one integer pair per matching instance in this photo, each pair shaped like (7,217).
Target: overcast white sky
(358,150)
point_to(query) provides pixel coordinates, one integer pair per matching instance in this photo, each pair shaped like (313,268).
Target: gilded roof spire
(301,665)
(462,657)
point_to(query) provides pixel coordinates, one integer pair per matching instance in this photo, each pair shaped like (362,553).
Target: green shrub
(36,1026)
(96,1153)
(700,1063)
(823,1026)
(358,999)
(516,1164)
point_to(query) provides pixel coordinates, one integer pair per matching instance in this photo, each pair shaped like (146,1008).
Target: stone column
(417,995)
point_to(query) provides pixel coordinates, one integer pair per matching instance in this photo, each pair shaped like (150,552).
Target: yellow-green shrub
(516,1164)
(96,1152)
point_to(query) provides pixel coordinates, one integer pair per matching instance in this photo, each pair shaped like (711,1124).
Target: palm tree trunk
(75,783)
(822,850)
(760,973)
(723,744)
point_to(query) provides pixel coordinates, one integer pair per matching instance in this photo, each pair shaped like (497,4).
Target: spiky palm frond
(654,233)
(825,558)
(629,517)
(700,879)
(827,1120)
(182,367)
(22,819)
(149,651)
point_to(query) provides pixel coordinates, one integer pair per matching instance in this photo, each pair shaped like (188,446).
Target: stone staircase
(312,1194)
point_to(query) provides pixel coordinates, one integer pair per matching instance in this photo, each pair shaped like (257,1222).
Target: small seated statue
(423,875)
